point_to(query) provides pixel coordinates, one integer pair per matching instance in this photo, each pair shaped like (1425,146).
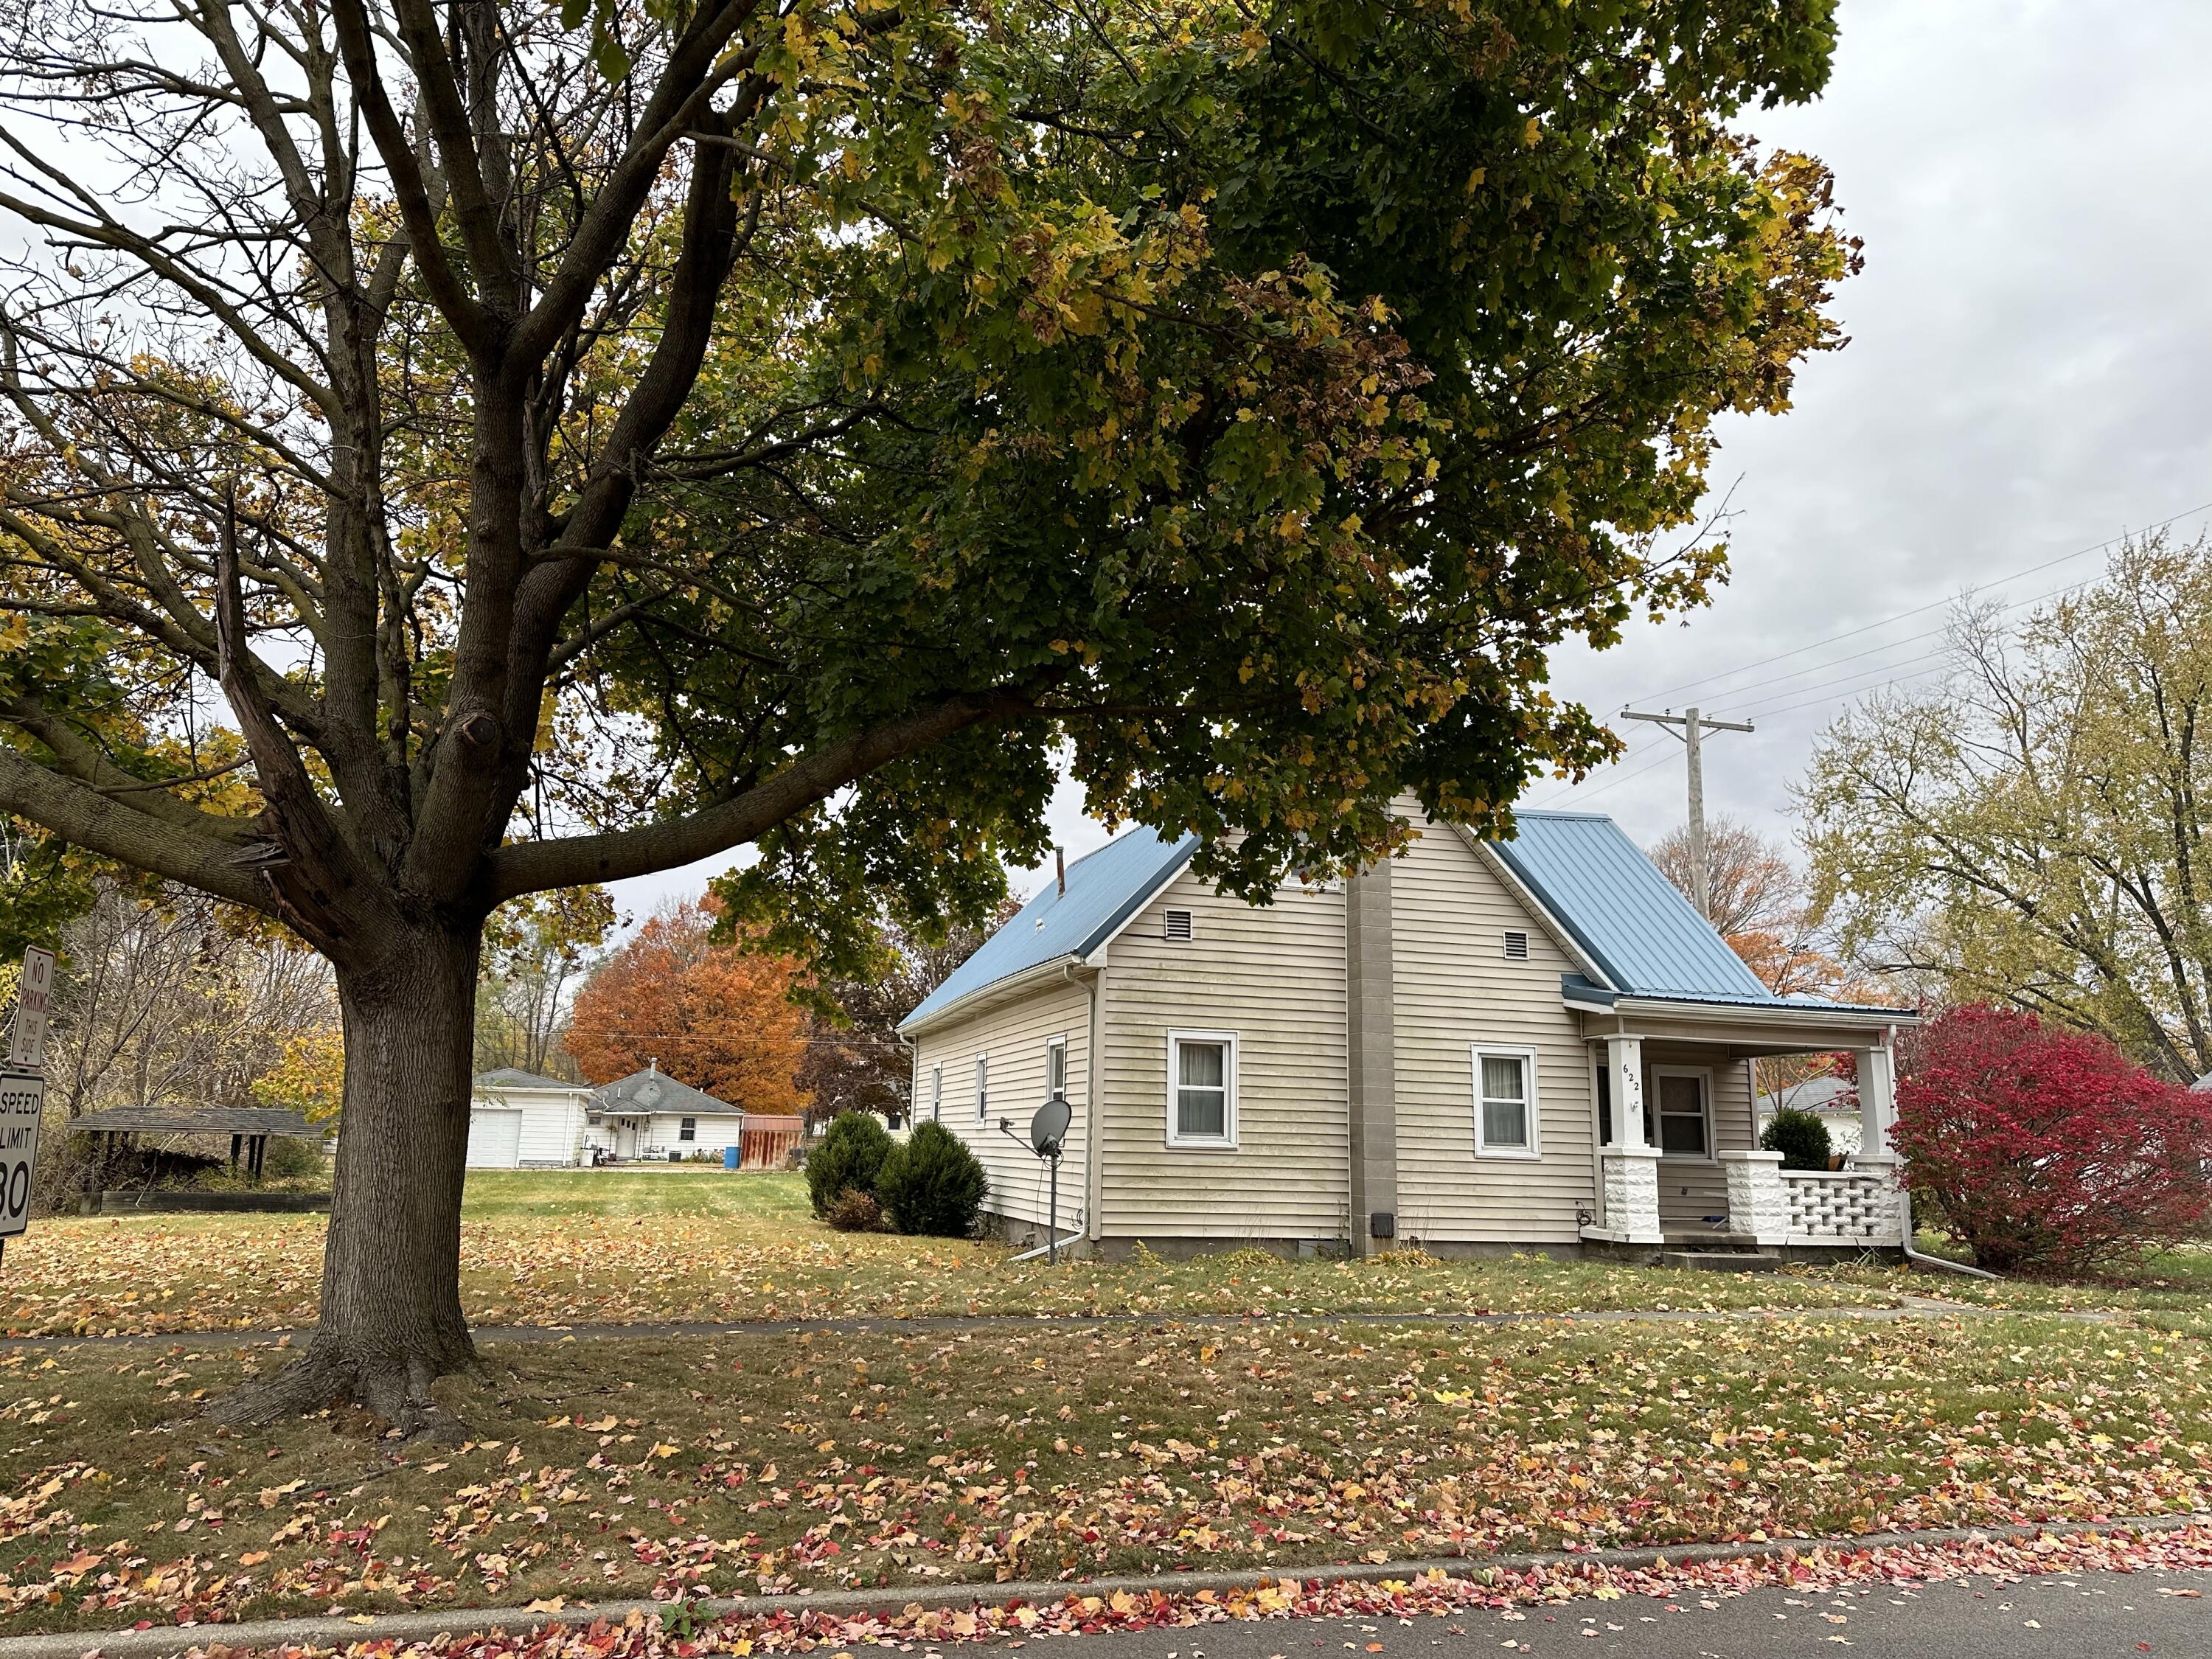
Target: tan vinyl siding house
(1011,1042)
(1457,994)
(1271,979)
(1428,1058)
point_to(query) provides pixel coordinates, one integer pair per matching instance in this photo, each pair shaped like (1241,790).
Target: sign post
(23,1093)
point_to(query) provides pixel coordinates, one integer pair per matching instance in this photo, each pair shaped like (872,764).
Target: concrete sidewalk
(422,1626)
(1915,1307)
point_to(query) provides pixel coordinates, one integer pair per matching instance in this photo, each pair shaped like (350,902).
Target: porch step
(1718,1261)
(1684,1238)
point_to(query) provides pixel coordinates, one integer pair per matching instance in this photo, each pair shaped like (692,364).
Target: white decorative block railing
(1847,1205)
(1857,1205)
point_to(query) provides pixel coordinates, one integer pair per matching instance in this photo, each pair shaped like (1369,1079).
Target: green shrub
(933,1184)
(848,1159)
(1800,1137)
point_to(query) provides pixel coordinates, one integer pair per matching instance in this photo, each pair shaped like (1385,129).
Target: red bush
(2048,1150)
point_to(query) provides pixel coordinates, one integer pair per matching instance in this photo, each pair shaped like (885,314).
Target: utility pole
(1692,726)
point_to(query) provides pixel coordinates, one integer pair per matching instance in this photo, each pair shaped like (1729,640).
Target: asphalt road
(2075,1616)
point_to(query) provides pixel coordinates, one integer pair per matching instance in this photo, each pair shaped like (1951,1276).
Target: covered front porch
(1677,1155)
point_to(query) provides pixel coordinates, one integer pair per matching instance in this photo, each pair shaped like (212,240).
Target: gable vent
(1175,924)
(1516,946)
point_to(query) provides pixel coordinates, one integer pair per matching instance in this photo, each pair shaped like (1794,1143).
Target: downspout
(1917,1257)
(1944,1262)
(912,1078)
(1089,1122)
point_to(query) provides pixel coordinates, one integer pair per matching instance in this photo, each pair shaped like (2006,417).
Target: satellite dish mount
(1047,1133)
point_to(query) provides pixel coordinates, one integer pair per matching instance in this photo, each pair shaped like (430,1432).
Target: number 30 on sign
(22,1100)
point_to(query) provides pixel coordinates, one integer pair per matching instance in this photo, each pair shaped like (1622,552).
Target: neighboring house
(518,1120)
(1828,1097)
(650,1116)
(1433,1056)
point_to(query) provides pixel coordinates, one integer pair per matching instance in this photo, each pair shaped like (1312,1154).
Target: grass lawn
(2174,1283)
(630,1247)
(674,1467)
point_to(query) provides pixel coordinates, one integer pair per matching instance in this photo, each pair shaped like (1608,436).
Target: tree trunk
(390,1320)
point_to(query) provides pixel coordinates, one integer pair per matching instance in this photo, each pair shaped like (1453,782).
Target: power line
(1837,696)
(1581,793)
(1841,679)
(1919,609)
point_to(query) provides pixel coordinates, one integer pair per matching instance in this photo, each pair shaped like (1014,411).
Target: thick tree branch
(579,860)
(86,819)
(409,189)
(84,761)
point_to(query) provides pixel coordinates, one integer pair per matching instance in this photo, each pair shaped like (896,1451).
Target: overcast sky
(2028,377)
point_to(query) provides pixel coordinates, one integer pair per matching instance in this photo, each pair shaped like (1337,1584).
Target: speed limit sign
(22,1102)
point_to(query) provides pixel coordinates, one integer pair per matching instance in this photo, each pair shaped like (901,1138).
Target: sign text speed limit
(22,1099)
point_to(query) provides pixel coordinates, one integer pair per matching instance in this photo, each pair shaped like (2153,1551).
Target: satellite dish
(1049,1126)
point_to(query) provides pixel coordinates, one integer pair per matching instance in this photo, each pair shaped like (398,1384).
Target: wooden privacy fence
(765,1142)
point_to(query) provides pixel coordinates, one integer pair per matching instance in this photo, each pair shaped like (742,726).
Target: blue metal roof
(1629,919)
(1104,890)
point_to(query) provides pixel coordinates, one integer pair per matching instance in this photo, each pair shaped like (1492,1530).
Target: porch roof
(1578,990)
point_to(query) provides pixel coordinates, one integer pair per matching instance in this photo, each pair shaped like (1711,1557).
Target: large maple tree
(570,444)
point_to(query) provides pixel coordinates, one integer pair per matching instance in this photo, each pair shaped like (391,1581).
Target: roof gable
(1104,890)
(1626,917)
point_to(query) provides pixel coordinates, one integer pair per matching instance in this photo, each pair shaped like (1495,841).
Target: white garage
(519,1121)
(495,1137)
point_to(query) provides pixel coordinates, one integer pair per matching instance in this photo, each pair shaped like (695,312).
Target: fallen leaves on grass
(157,1275)
(784,1463)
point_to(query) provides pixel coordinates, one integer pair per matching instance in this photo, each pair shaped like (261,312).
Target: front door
(1693,1193)
(626,1139)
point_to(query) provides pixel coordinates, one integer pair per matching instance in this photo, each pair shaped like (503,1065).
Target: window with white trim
(1686,1129)
(1055,1066)
(1504,1102)
(937,1094)
(1202,1088)
(982,1087)
(688,1129)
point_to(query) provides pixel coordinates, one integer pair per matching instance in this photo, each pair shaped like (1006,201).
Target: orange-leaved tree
(716,1016)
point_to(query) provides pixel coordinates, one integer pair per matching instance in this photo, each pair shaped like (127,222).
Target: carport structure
(249,1128)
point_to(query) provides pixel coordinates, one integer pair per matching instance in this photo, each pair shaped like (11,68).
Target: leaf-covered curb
(680,1635)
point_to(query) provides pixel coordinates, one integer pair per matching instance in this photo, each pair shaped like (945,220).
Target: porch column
(1758,1201)
(1371,1011)
(1877,1100)
(1629,1196)
(1623,1080)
